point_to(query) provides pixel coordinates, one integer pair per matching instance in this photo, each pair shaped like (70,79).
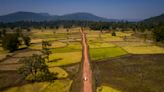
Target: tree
(28,30)
(4,32)
(145,37)
(159,34)
(45,49)
(18,31)
(10,42)
(0,34)
(113,33)
(26,40)
(35,69)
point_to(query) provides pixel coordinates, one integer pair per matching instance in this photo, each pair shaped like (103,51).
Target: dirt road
(87,72)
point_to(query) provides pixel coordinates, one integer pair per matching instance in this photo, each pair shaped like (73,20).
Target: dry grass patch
(144,49)
(131,44)
(60,59)
(61,73)
(106,89)
(53,45)
(56,86)
(58,44)
(100,45)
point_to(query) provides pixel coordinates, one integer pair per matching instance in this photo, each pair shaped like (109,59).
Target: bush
(113,33)
(40,76)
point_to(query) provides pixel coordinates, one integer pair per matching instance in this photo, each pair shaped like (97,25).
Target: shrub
(113,33)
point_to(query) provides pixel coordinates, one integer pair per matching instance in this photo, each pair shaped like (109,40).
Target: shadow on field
(131,73)
(10,78)
(76,76)
(55,60)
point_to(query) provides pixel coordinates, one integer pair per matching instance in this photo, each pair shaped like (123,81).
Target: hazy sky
(118,9)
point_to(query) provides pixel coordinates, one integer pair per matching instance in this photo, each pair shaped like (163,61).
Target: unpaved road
(87,72)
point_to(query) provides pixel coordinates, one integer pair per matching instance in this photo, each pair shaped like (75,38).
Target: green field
(104,53)
(61,59)
(57,86)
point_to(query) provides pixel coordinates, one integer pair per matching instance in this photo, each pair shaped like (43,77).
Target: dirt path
(87,72)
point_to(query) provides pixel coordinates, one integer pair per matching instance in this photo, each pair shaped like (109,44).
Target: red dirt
(87,72)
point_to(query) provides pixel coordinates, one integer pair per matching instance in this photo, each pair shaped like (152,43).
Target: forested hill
(38,17)
(156,19)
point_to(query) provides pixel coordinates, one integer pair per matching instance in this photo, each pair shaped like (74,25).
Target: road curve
(87,72)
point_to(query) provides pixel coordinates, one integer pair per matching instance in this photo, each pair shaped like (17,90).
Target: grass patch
(2,53)
(100,45)
(60,59)
(56,86)
(144,49)
(72,47)
(55,44)
(61,73)
(58,44)
(106,89)
(112,38)
(103,53)
(130,44)
(38,40)
(43,35)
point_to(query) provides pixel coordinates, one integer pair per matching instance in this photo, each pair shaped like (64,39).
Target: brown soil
(131,73)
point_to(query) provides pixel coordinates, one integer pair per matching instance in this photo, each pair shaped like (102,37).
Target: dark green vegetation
(156,19)
(113,33)
(159,34)
(46,49)
(26,40)
(35,69)
(10,42)
(150,25)
(131,73)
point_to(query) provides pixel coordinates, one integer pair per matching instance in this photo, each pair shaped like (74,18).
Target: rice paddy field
(67,52)
(109,50)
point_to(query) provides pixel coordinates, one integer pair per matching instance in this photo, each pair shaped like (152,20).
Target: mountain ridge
(31,16)
(155,19)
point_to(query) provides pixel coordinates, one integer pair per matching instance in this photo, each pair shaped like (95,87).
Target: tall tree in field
(4,32)
(159,34)
(46,50)
(35,69)
(10,42)
(28,30)
(18,31)
(0,34)
(26,40)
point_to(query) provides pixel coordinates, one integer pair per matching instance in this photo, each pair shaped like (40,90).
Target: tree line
(105,26)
